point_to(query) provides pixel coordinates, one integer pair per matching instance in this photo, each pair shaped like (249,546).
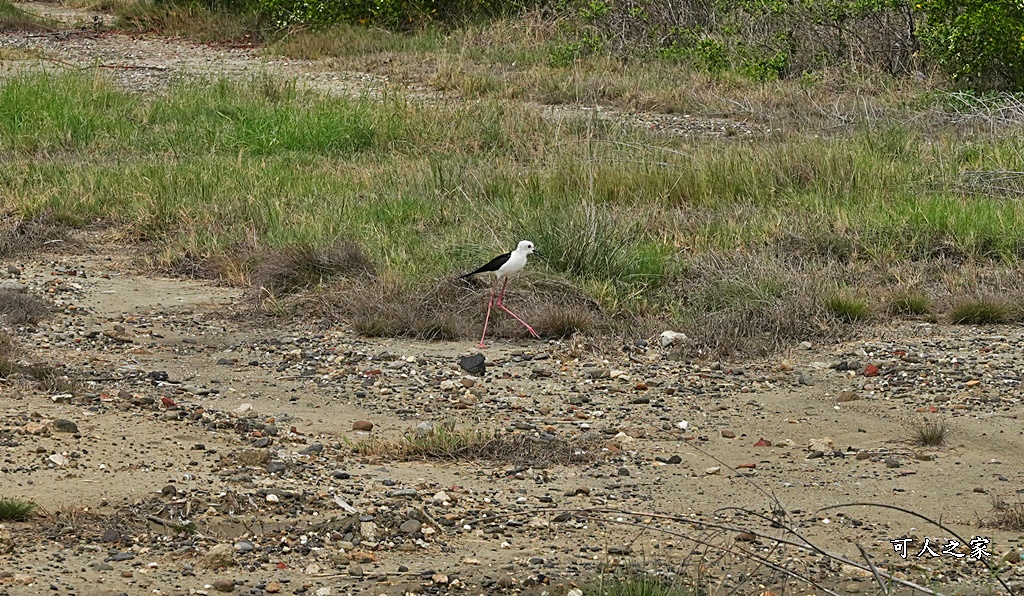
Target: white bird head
(525,247)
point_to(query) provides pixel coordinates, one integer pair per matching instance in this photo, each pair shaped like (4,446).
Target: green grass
(13,18)
(13,509)
(848,307)
(981,311)
(909,302)
(215,175)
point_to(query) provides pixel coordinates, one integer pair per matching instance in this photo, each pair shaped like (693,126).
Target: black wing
(493,265)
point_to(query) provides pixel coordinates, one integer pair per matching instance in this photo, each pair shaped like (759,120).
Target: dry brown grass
(13,19)
(755,304)
(300,267)
(928,432)
(20,308)
(19,236)
(49,378)
(454,309)
(444,441)
(251,457)
(75,523)
(1006,516)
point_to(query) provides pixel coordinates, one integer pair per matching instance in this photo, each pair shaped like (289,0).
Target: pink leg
(486,320)
(514,315)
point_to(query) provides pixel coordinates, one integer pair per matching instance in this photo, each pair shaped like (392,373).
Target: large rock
(220,555)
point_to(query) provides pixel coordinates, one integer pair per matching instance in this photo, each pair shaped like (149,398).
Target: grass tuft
(909,302)
(560,321)
(299,267)
(639,584)
(980,311)
(848,308)
(13,509)
(444,441)
(19,235)
(750,304)
(930,433)
(1006,516)
(20,308)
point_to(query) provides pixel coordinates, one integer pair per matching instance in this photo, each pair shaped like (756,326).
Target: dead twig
(938,524)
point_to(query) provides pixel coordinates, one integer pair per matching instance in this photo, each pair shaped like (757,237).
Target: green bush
(390,14)
(979,42)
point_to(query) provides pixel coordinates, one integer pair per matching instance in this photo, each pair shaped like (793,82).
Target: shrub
(979,42)
(390,14)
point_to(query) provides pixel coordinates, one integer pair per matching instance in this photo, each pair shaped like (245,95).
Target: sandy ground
(179,387)
(212,449)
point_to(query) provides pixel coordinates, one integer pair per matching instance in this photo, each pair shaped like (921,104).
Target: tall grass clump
(980,311)
(848,307)
(909,302)
(930,433)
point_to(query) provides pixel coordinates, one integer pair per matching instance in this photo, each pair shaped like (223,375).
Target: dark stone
(474,365)
(64,426)
(312,449)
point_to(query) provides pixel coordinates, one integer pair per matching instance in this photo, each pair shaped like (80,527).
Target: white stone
(670,338)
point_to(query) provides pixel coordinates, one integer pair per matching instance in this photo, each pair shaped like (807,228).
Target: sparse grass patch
(19,235)
(49,378)
(13,509)
(453,309)
(929,432)
(905,301)
(444,441)
(750,304)
(1006,516)
(848,307)
(352,41)
(980,311)
(638,584)
(561,321)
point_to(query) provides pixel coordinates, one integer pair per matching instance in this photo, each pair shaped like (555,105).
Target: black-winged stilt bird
(501,267)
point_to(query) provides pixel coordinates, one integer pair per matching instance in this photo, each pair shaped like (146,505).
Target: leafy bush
(391,14)
(979,42)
